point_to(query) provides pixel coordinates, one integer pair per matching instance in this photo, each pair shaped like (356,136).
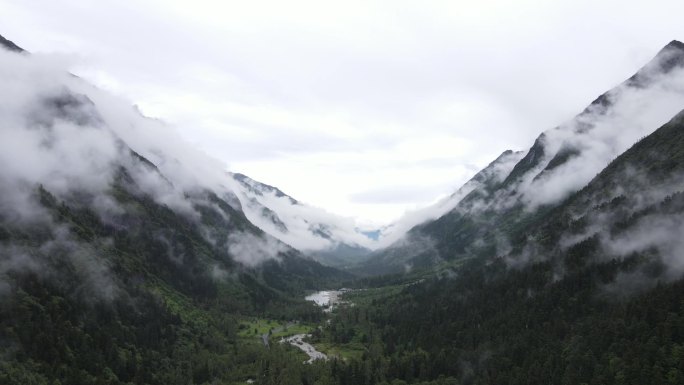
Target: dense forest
(572,316)
(118,270)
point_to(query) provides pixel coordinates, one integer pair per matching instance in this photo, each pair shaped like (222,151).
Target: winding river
(327,299)
(298,341)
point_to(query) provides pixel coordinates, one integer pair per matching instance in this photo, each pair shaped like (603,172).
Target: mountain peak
(675,44)
(671,56)
(8,44)
(260,188)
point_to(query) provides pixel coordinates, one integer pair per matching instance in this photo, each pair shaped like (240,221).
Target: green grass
(255,327)
(348,351)
(366,296)
(291,330)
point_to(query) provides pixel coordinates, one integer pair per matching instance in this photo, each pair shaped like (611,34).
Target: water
(326,299)
(323,298)
(297,341)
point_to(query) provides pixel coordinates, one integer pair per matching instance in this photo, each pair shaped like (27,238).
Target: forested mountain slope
(127,259)
(123,259)
(592,295)
(560,162)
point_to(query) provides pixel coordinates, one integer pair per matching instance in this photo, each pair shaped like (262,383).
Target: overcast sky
(364,108)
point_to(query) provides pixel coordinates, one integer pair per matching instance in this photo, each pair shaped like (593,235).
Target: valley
(125,259)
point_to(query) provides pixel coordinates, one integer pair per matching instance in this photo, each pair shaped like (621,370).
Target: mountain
(560,162)
(81,146)
(128,259)
(410,249)
(592,295)
(125,258)
(326,237)
(590,291)
(9,45)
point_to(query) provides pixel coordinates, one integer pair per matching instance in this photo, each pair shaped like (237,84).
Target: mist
(302,226)
(561,162)
(494,173)
(72,139)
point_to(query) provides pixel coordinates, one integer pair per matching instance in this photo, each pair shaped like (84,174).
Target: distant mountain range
(326,237)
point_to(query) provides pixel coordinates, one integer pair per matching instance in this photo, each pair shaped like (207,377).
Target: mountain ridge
(8,44)
(560,162)
(124,260)
(325,237)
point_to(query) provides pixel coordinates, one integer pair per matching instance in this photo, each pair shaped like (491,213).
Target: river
(298,341)
(327,299)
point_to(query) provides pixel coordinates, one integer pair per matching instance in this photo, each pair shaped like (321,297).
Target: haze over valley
(478,232)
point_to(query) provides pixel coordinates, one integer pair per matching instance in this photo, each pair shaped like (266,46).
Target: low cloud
(73,139)
(494,173)
(251,250)
(566,158)
(297,224)
(394,194)
(596,137)
(664,233)
(59,254)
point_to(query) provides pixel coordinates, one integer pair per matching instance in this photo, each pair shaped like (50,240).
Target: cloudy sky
(364,108)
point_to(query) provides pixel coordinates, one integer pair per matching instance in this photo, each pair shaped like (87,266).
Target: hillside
(127,257)
(123,258)
(415,250)
(593,295)
(560,162)
(328,238)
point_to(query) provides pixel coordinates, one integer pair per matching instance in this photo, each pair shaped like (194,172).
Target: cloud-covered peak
(261,188)
(479,185)
(301,226)
(675,44)
(84,146)
(669,58)
(561,161)
(565,158)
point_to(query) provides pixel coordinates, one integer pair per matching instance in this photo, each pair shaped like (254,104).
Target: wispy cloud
(72,138)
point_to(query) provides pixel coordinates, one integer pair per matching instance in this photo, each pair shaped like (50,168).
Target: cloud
(83,261)
(661,232)
(301,226)
(43,140)
(494,173)
(72,138)
(596,138)
(251,250)
(565,159)
(633,214)
(393,194)
(261,85)
(328,104)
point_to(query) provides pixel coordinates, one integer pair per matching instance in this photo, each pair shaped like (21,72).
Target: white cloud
(496,172)
(72,138)
(304,227)
(308,95)
(635,113)
(251,250)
